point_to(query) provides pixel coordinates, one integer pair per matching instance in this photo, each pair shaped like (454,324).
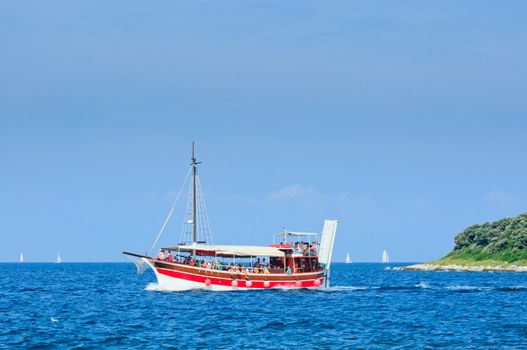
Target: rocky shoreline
(465,268)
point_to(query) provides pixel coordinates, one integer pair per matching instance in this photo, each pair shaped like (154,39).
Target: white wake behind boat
(298,260)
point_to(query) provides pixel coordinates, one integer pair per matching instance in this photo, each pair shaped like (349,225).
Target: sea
(368,306)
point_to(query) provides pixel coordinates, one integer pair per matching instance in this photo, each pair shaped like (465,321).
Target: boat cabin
(296,253)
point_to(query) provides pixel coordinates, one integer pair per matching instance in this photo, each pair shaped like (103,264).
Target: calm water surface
(109,305)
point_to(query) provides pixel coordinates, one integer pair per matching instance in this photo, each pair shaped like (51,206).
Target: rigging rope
(170,212)
(186,230)
(207,230)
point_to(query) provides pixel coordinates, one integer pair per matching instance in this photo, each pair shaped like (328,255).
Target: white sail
(59,259)
(326,247)
(348,260)
(326,242)
(385,258)
(21,257)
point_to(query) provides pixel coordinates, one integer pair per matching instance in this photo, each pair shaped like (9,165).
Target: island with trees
(492,246)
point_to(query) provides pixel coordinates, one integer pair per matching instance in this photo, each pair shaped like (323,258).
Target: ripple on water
(367,307)
(512,289)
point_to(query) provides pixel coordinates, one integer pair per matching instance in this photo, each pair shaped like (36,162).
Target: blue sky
(404,120)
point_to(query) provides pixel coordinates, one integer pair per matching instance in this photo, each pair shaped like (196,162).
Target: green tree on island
(502,241)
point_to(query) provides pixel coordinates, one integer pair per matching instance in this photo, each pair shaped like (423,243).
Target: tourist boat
(348,259)
(297,260)
(21,258)
(58,260)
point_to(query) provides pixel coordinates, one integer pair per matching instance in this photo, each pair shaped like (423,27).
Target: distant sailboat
(21,257)
(59,259)
(348,260)
(385,258)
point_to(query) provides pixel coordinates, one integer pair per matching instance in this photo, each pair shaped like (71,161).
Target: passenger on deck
(169,256)
(161,255)
(266,270)
(298,249)
(313,249)
(288,271)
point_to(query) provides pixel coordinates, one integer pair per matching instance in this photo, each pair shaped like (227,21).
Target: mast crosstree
(196,226)
(194,173)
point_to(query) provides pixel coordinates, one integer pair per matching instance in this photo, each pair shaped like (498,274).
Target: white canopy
(237,250)
(290,233)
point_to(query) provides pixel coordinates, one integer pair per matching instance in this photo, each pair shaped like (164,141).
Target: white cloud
(172,195)
(501,198)
(420,203)
(290,192)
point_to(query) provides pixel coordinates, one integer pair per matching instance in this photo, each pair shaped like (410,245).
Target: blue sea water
(109,306)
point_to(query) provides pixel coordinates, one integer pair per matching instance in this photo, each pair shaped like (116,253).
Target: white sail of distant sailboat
(385,258)
(21,257)
(348,260)
(59,259)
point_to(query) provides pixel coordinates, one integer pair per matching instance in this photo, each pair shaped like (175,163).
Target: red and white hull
(173,276)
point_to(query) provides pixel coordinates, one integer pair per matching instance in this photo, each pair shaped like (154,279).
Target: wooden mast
(194,171)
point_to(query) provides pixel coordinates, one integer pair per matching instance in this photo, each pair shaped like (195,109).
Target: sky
(404,120)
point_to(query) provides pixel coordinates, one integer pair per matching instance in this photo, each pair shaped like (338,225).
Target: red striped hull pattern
(224,282)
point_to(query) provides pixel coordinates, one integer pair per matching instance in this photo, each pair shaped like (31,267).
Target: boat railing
(236,272)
